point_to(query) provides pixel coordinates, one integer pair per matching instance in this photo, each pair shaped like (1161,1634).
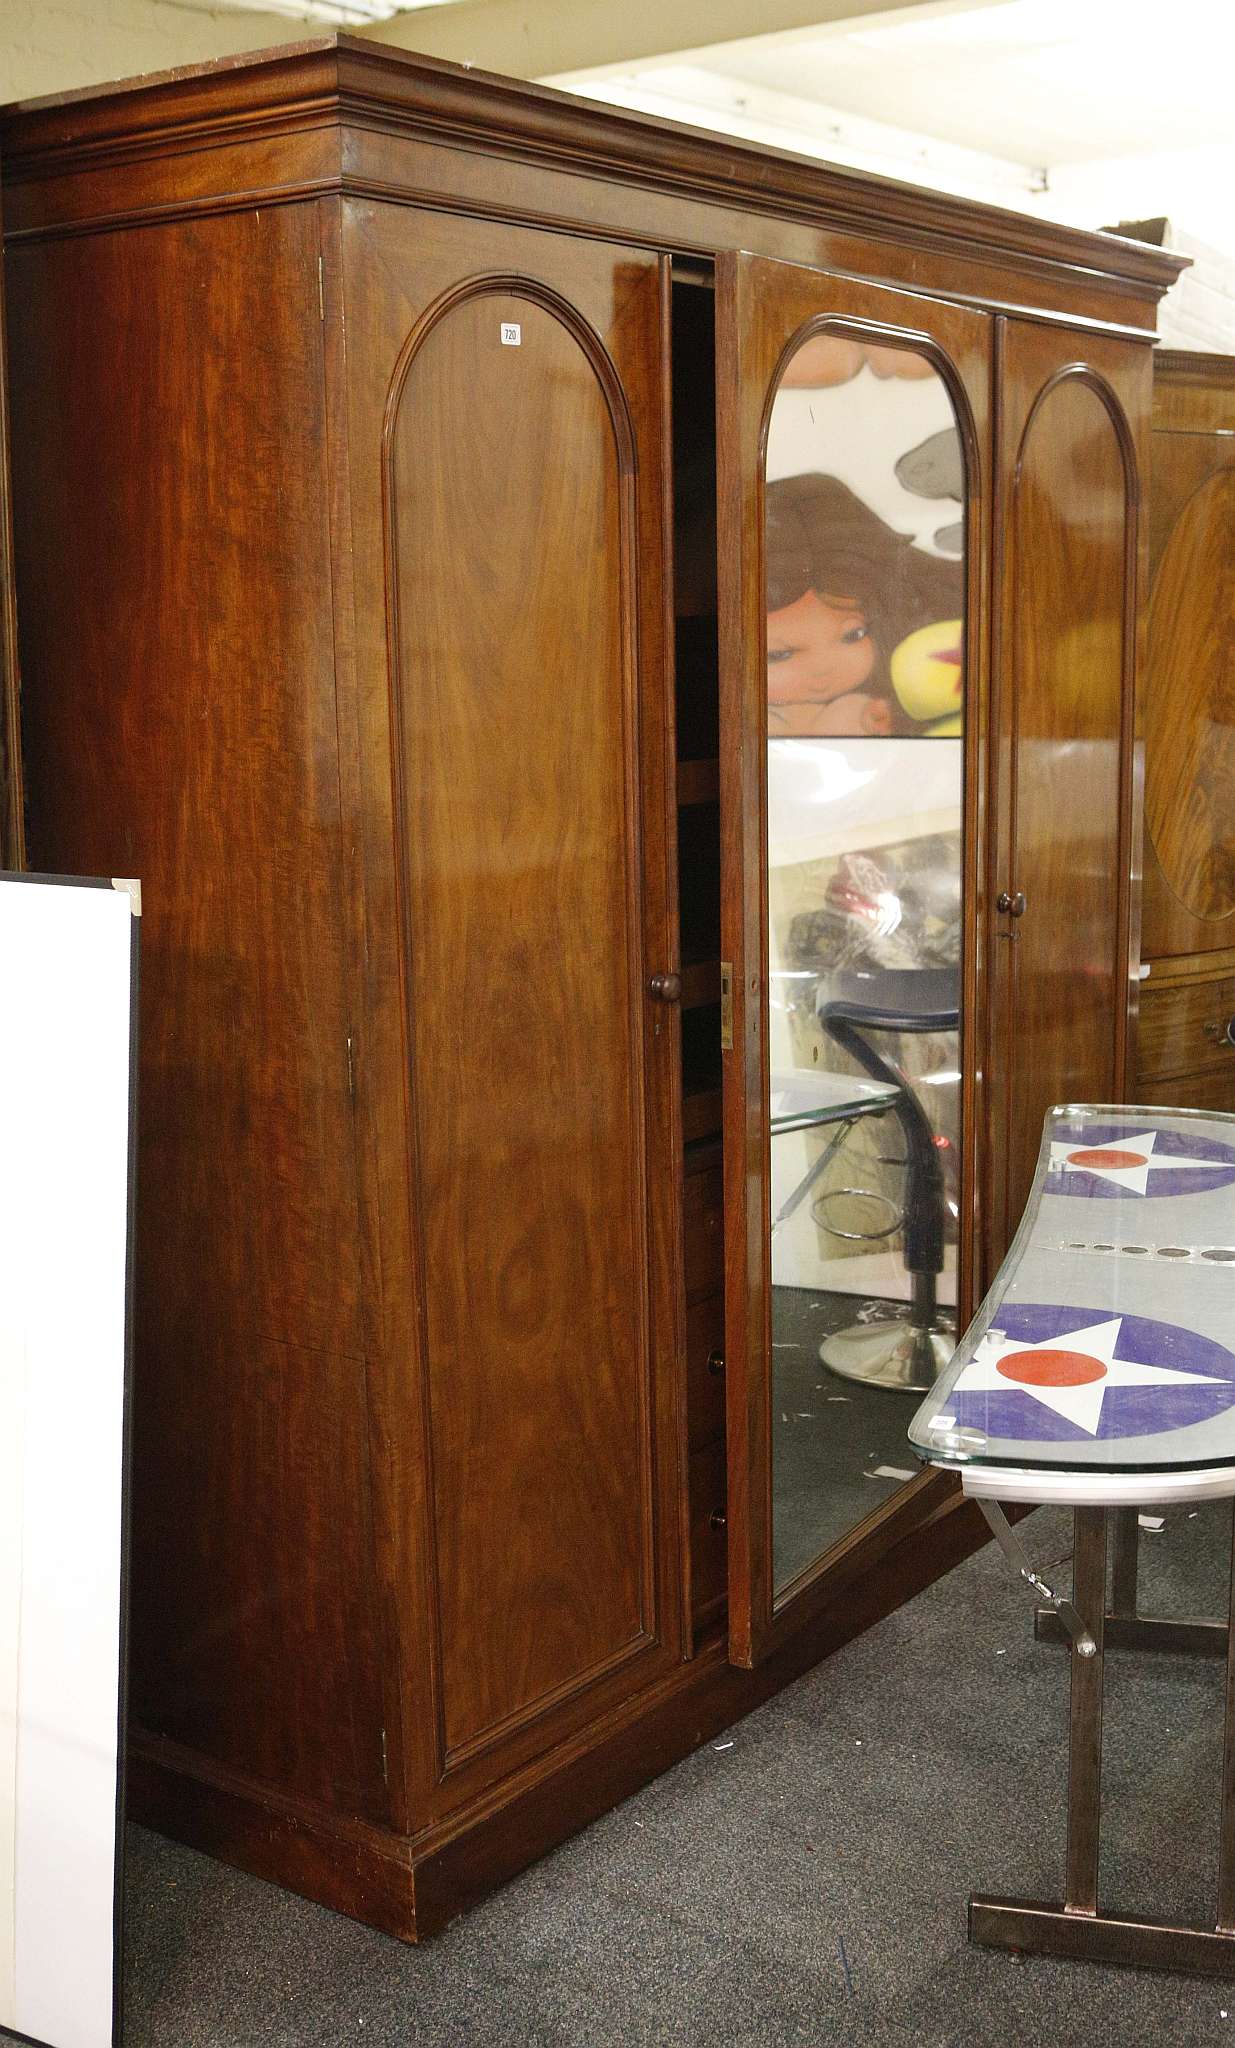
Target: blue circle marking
(1014,1412)
(1210,1164)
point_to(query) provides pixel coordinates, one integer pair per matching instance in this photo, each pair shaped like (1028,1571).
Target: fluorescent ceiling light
(330,13)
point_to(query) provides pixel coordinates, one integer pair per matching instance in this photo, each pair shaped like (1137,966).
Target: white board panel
(66,989)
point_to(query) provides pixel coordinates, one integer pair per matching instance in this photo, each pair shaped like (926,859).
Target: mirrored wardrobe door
(854,458)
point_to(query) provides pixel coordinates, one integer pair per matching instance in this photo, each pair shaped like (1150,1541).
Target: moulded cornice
(345,80)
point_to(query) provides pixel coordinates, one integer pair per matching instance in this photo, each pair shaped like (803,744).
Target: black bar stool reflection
(901,1350)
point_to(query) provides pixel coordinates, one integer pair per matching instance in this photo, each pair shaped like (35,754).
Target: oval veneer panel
(1190,716)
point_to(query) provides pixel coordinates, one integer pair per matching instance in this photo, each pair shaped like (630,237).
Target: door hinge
(321,289)
(385,1761)
(351,1070)
(726,1006)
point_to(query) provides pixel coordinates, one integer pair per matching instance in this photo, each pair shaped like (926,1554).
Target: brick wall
(1199,311)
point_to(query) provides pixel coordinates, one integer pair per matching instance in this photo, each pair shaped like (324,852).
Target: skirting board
(412,1886)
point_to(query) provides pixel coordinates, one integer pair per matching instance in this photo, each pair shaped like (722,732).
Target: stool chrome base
(905,1356)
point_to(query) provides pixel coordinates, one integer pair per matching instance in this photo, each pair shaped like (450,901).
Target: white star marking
(1134,1177)
(1081,1405)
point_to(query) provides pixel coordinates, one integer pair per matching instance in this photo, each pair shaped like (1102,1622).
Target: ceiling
(1043,82)
(986,95)
(320,13)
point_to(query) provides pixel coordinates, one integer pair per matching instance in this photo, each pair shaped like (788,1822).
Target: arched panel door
(506,389)
(1074,412)
(852,439)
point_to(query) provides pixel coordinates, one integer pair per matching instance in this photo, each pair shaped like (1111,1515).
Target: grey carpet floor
(801,1880)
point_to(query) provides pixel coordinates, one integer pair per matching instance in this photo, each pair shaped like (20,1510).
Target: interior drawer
(704,1230)
(705,1387)
(709,1556)
(1212,1088)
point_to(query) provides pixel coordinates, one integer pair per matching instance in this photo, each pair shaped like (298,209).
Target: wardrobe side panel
(177,645)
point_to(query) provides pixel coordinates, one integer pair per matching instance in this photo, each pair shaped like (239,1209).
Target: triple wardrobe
(613,654)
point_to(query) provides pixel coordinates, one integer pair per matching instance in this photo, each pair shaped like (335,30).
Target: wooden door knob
(1014,906)
(665,988)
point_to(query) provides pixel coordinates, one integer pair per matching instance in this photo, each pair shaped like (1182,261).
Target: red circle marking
(1052,1368)
(1105,1155)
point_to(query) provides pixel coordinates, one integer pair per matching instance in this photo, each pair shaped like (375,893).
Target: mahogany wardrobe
(612,652)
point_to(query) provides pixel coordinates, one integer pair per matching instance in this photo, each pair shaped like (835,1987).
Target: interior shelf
(701,1115)
(698,782)
(700,983)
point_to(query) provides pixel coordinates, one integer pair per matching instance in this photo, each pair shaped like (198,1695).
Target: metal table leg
(812,1174)
(1125,1628)
(1124,1550)
(1085,1716)
(1076,1928)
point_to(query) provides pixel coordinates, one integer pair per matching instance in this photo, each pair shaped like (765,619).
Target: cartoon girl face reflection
(820,657)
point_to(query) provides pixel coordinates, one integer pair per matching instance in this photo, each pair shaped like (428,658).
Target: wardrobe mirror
(865,581)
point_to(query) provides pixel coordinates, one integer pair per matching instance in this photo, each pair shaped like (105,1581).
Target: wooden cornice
(345,80)
(1187,365)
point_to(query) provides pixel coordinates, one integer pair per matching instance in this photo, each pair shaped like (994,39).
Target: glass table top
(799,1100)
(1107,1342)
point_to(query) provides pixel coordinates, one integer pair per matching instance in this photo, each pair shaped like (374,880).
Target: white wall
(1191,187)
(49,48)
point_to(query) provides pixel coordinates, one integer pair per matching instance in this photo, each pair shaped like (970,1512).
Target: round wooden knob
(1013,906)
(665,988)
(716,1361)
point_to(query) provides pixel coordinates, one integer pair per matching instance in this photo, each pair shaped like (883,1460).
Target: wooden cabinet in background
(12,817)
(389,607)
(1186,1040)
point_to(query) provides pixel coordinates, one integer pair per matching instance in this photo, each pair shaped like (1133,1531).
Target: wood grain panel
(1185,1027)
(178,656)
(1071,556)
(1190,704)
(1211,1088)
(253,1643)
(1188,715)
(512,555)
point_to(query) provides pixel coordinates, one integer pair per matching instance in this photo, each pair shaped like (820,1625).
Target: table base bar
(1144,1632)
(1031,1927)
(1076,1929)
